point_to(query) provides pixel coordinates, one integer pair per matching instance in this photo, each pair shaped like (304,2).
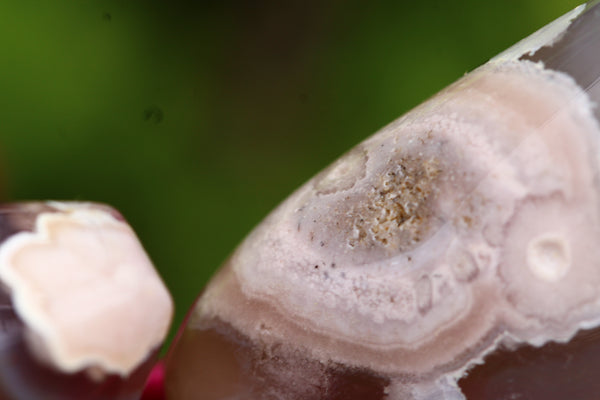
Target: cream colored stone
(86,290)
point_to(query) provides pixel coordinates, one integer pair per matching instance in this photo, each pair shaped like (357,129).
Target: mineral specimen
(82,309)
(453,255)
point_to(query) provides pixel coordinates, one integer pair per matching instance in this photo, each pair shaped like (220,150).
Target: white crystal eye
(549,256)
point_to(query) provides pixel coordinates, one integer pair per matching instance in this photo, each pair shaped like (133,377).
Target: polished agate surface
(453,255)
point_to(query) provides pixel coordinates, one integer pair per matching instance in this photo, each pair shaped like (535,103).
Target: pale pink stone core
(86,291)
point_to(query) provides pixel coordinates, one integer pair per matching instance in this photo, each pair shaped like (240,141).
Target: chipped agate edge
(86,290)
(494,241)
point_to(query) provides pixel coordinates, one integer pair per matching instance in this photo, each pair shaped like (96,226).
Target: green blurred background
(196,118)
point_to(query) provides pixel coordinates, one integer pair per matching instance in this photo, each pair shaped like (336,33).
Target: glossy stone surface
(555,371)
(435,260)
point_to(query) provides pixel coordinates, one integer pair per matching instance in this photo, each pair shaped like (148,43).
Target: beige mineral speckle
(395,213)
(86,290)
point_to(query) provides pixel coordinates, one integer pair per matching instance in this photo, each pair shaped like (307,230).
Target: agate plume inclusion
(461,234)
